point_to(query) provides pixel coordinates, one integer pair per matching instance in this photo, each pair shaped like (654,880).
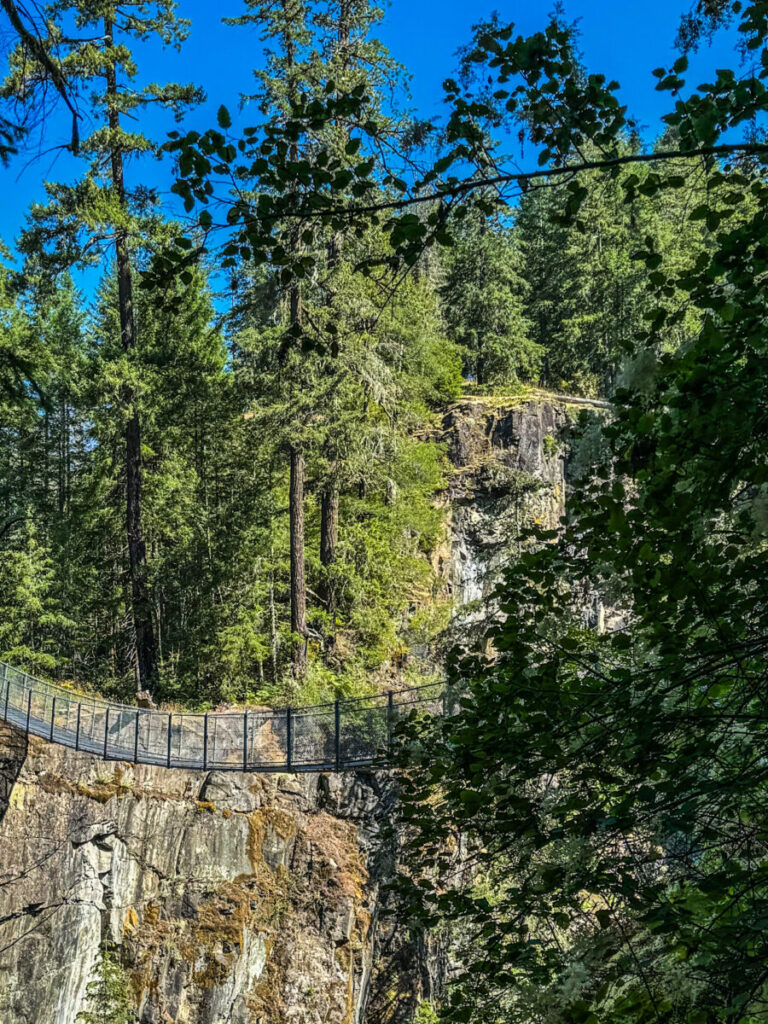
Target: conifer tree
(483,295)
(22,357)
(97,214)
(32,621)
(108,1001)
(314,48)
(287,37)
(178,379)
(585,294)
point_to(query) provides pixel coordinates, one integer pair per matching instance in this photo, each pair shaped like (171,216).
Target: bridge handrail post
(106,733)
(390,719)
(77,727)
(53,715)
(205,742)
(29,708)
(337,730)
(245,742)
(289,738)
(7,679)
(170,724)
(136,739)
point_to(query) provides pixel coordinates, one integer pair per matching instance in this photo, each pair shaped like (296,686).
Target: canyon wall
(233,898)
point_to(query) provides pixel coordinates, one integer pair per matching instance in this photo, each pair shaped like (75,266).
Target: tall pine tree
(98,213)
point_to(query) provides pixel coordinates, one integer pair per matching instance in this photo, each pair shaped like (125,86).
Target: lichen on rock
(233,914)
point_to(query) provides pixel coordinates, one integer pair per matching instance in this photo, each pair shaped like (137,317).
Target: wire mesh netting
(344,734)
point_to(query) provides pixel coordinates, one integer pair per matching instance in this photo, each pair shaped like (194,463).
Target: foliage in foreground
(611,788)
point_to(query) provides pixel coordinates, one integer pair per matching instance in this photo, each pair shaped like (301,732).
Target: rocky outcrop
(13,751)
(509,473)
(232,898)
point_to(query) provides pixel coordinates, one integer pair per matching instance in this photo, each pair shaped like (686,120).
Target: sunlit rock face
(509,473)
(513,461)
(232,898)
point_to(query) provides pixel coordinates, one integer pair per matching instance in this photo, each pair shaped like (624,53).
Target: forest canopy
(220,478)
(198,502)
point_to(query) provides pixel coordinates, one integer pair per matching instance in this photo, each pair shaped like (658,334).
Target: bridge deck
(338,736)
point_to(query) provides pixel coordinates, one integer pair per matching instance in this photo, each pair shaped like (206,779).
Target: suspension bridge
(338,736)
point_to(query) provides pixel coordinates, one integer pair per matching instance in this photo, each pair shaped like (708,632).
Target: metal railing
(337,736)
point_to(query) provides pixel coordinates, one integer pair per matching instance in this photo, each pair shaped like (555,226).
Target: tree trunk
(274,641)
(296,489)
(144,653)
(329,538)
(298,581)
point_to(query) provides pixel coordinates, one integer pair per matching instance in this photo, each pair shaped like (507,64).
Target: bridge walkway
(338,736)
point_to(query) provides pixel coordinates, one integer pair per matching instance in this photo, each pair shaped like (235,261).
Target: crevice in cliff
(13,753)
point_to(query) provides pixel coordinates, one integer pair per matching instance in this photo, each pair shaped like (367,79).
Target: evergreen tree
(290,63)
(584,291)
(40,449)
(107,994)
(99,211)
(484,299)
(316,48)
(33,625)
(178,377)
(22,357)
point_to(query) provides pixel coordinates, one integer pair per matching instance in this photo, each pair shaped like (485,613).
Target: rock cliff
(239,899)
(234,898)
(508,473)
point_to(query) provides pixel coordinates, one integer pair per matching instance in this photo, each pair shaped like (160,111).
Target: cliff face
(509,473)
(233,898)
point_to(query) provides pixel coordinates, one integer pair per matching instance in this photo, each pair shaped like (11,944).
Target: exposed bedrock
(509,473)
(233,898)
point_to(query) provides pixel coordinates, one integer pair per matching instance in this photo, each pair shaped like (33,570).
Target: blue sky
(624,41)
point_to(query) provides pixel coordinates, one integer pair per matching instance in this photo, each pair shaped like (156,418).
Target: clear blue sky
(622,40)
